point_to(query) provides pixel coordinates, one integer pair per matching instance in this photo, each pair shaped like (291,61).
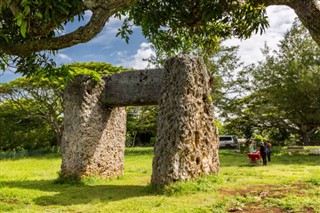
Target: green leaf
(26,10)
(24,2)
(23,28)
(19,19)
(39,15)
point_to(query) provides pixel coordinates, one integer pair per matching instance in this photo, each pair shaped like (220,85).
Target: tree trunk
(58,139)
(134,138)
(305,138)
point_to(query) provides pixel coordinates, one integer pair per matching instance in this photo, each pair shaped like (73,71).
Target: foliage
(259,138)
(282,91)
(92,69)
(33,107)
(175,26)
(30,20)
(36,98)
(30,28)
(222,65)
(98,67)
(19,130)
(141,125)
(288,82)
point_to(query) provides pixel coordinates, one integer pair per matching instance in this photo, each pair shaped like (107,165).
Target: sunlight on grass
(28,185)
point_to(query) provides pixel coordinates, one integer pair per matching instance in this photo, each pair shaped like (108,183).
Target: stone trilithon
(95,122)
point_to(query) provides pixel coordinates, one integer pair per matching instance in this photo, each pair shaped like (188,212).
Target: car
(228,141)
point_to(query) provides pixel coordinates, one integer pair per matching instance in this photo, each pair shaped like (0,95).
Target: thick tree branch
(83,34)
(274,2)
(308,11)
(309,14)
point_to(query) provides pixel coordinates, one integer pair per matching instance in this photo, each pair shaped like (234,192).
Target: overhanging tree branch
(100,16)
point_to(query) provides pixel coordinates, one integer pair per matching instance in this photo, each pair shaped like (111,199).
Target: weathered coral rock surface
(94,135)
(95,122)
(186,145)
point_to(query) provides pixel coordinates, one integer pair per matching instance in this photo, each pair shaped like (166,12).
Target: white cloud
(137,61)
(280,19)
(64,57)
(107,37)
(108,34)
(87,14)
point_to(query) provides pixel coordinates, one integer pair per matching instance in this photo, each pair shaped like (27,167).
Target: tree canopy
(28,27)
(283,89)
(32,105)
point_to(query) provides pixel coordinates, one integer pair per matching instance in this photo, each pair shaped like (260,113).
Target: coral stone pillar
(94,135)
(187,145)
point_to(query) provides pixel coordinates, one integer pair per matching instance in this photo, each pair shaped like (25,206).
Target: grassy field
(290,183)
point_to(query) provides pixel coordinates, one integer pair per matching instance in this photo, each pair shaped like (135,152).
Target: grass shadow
(66,194)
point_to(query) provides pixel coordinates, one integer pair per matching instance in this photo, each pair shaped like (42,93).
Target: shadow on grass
(65,194)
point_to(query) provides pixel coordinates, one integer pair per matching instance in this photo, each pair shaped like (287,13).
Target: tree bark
(309,14)
(305,139)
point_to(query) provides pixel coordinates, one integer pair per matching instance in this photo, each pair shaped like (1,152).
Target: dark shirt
(262,149)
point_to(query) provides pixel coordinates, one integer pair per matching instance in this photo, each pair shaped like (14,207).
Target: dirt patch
(262,192)
(11,202)
(257,208)
(267,190)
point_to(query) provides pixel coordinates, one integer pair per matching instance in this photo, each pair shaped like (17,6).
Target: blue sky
(106,47)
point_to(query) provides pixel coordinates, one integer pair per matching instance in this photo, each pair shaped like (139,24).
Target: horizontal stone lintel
(133,88)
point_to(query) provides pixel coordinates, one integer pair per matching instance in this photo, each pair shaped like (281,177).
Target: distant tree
(142,125)
(40,99)
(222,66)
(285,91)
(19,130)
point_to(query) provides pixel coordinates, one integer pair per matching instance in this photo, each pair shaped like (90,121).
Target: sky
(106,47)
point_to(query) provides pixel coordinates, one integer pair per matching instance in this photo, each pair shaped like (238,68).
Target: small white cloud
(137,61)
(145,45)
(64,57)
(108,34)
(87,14)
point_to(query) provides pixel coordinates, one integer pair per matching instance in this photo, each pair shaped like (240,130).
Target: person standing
(252,147)
(269,147)
(263,153)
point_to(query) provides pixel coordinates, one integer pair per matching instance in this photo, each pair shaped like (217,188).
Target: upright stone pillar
(94,135)
(187,145)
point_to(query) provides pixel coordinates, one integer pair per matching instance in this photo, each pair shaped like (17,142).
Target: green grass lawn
(287,184)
